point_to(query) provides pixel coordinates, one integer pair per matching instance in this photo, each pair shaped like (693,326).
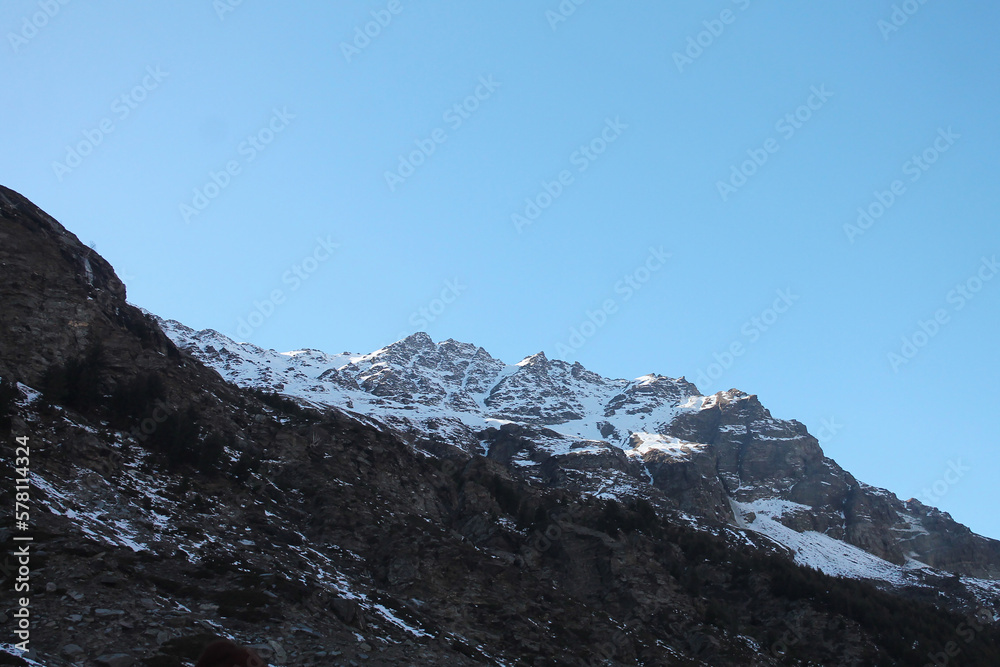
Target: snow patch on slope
(817,550)
(643,443)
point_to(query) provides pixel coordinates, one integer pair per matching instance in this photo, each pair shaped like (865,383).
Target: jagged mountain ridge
(722,457)
(451,388)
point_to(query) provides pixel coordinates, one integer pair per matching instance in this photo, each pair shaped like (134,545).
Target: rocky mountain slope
(169,506)
(721,457)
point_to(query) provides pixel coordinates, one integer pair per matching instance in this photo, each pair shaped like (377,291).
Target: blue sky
(697,171)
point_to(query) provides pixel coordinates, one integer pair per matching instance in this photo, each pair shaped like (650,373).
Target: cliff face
(169,506)
(60,297)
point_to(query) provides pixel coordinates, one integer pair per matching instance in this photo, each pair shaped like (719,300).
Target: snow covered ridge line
(451,387)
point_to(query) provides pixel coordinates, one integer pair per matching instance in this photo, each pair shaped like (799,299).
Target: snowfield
(817,550)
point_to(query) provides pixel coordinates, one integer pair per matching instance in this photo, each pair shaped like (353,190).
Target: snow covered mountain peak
(538,360)
(452,388)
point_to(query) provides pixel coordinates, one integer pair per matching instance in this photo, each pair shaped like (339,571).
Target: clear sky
(687,179)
